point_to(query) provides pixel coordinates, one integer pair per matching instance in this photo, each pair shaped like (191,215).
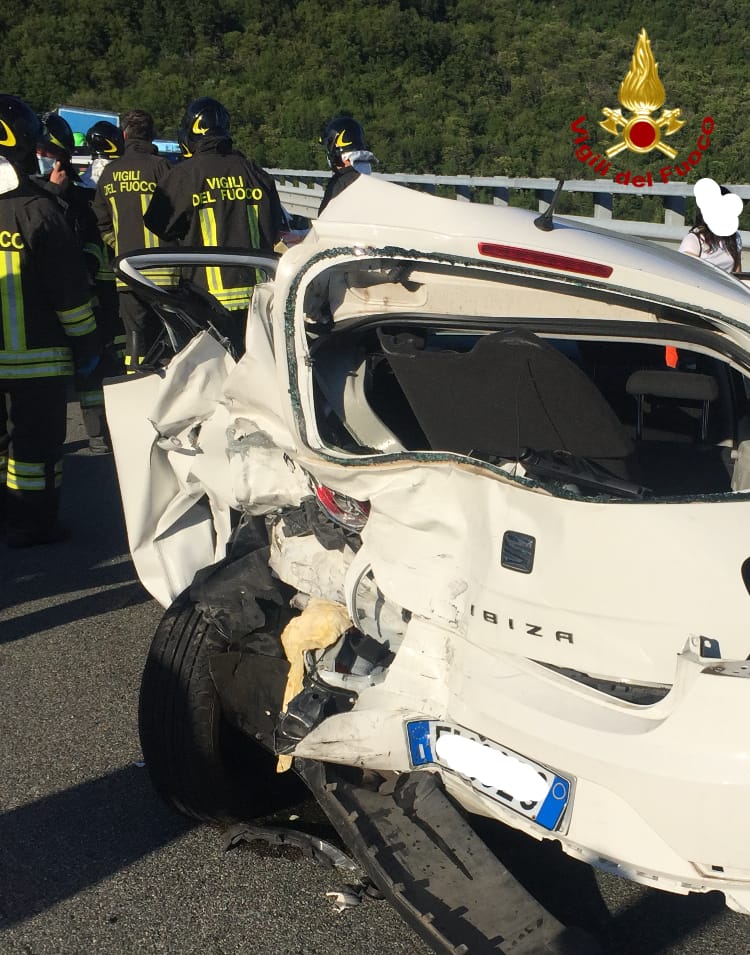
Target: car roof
(388,217)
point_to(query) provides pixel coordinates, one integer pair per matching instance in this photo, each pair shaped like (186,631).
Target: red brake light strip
(551,260)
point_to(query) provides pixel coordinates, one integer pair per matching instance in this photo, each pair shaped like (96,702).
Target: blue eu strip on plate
(419,742)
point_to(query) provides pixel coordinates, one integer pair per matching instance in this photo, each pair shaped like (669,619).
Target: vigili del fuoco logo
(641,94)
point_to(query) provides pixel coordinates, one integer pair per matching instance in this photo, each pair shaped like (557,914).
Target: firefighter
(123,193)
(105,142)
(217,198)
(344,142)
(47,331)
(59,177)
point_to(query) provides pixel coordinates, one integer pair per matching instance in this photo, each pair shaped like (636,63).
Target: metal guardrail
(301,192)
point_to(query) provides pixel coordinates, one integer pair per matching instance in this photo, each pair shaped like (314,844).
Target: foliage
(473,87)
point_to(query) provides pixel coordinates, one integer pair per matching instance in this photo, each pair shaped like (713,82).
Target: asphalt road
(91,863)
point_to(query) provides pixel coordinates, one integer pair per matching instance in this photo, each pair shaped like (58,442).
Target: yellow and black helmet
(105,139)
(57,137)
(182,142)
(343,134)
(204,118)
(20,128)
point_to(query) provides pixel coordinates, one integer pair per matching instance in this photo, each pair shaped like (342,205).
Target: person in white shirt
(723,251)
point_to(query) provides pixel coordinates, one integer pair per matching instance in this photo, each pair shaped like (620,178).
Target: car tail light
(346,511)
(565,263)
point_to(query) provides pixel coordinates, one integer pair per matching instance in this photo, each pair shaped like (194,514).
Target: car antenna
(544,221)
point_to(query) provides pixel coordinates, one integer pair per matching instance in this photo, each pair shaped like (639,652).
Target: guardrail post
(501,196)
(674,210)
(544,198)
(463,193)
(603,205)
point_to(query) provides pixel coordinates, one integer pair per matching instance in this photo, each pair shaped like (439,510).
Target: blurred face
(45,160)
(53,162)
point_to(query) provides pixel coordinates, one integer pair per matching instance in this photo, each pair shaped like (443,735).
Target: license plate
(527,787)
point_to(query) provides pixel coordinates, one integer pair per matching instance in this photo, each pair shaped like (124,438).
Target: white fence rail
(302,190)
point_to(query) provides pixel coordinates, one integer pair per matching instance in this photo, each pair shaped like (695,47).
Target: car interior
(627,418)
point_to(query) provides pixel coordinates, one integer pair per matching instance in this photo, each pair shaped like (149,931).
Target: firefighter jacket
(75,201)
(218,198)
(123,193)
(47,327)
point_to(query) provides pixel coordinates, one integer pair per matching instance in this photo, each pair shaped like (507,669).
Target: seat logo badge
(641,92)
(6,135)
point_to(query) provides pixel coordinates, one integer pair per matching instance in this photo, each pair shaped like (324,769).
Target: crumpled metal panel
(260,446)
(169,440)
(305,565)
(264,478)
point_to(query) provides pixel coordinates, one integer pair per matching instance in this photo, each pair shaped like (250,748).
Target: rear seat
(673,418)
(512,391)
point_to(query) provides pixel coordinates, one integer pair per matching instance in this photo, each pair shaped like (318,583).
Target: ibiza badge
(642,93)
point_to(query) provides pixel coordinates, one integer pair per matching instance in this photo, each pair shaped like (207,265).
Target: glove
(88,367)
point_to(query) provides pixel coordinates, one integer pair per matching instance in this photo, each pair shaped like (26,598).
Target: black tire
(198,763)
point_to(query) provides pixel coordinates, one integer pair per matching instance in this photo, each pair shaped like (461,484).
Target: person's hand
(58,175)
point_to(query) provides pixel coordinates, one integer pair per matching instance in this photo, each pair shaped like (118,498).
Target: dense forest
(471,87)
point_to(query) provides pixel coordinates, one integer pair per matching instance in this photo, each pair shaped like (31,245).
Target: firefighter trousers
(142,328)
(33,420)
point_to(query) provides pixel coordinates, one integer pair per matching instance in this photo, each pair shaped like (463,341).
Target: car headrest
(672,383)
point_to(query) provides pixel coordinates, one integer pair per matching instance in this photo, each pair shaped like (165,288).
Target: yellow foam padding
(319,625)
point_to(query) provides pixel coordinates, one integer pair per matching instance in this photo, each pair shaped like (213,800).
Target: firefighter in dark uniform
(123,193)
(58,176)
(217,197)
(47,331)
(105,143)
(344,142)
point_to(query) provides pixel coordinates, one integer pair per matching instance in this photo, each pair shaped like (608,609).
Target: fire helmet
(182,142)
(343,134)
(105,139)
(20,129)
(204,118)
(57,136)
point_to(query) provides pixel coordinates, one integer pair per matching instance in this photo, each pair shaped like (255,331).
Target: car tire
(199,763)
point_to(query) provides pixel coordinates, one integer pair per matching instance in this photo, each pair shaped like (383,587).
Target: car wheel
(198,762)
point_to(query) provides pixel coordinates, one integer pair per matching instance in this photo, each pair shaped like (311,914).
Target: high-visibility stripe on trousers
(32,434)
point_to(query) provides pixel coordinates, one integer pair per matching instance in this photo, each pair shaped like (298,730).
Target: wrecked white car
(466,528)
